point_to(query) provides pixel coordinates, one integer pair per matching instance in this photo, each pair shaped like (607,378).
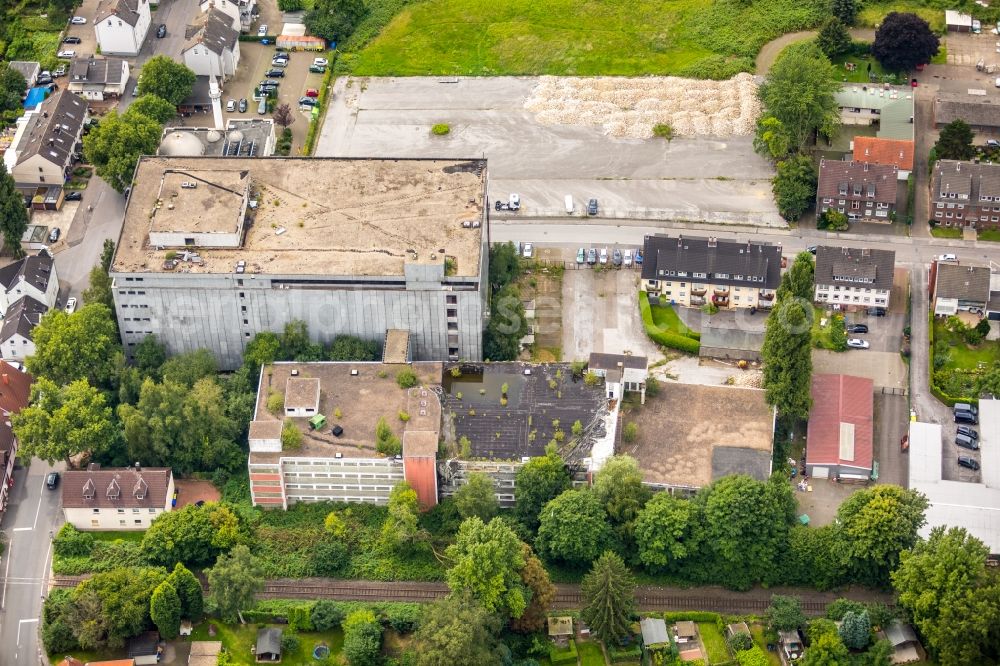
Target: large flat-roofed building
(216,250)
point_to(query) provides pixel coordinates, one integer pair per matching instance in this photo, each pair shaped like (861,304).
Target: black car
(876,312)
(962,416)
(276,73)
(72,40)
(74,196)
(243,105)
(857,328)
(970,463)
(968,432)
(592,207)
(966,442)
(161,31)
(52,480)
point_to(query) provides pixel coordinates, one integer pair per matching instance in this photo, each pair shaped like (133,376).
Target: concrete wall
(17,348)
(37,170)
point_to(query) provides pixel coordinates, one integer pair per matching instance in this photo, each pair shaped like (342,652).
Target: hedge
(324,92)
(935,389)
(620,654)
(402,617)
(661,337)
(567,655)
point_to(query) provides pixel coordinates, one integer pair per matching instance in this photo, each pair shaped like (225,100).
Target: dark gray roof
(993,304)
(101,71)
(966,283)
(900,633)
(611,361)
(728,460)
(21,318)
(214,29)
(871,269)
(126,10)
(35,270)
(863,181)
(731,338)
(27,68)
(976,110)
(268,640)
(712,257)
(965,178)
(144,644)
(59,123)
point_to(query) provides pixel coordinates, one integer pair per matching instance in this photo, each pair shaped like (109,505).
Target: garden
(828,331)
(664,326)
(961,358)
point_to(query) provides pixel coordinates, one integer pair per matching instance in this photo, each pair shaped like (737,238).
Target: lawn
(715,643)
(759,638)
(860,73)
(872,15)
(946,232)
(962,355)
(590,654)
(823,336)
(667,319)
(131,535)
(239,639)
(567,37)
(992,235)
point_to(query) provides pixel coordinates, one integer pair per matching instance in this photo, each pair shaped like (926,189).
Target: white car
(627,258)
(858,343)
(947,257)
(320,62)
(514,201)
(231,105)
(78,20)
(528,251)
(71,306)
(604,255)
(262,31)
(998,78)
(67,54)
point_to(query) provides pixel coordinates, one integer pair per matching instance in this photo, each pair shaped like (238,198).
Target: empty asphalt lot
(712,179)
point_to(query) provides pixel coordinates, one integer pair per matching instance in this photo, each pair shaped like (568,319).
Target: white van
(569,204)
(262,107)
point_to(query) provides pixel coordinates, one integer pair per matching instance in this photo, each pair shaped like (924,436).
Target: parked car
(638,257)
(243,105)
(811,249)
(627,258)
(966,442)
(60,71)
(44,78)
(231,106)
(73,196)
(161,31)
(321,62)
(528,251)
(604,255)
(965,407)
(876,312)
(592,207)
(54,234)
(591,256)
(992,143)
(270,82)
(52,480)
(275,73)
(317,69)
(968,432)
(70,305)
(616,257)
(312,92)
(262,31)
(948,257)
(78,20)
(962,416)
(279,62)
(581,256)
(69,55)
(857,343)
(969,463)
(72,40)
(307,101)
(266,90)
(857,328)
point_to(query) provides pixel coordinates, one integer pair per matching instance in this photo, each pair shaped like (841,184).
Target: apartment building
(213,46)
(120,26)
(116,499)
(852,277)
(692,271)
(861,190)
(965,194)
(216,250)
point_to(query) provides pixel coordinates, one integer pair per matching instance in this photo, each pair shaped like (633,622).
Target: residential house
(28,69)
(693,271)
(955,287)
(116,499)
(16,332)
(240,12)
(888,108)
(621,373)
(213,46)
(44,152)
(33,276)
(966,194)
(121,26)
(851,277)
(956,21)
(96,79)
(894,152)
(840,434)
(980,112)
(862,191)
(15,389)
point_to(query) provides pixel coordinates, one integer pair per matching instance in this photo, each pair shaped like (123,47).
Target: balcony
(700,291)
(765,296)
(697,300)
(721,301)
(721,291)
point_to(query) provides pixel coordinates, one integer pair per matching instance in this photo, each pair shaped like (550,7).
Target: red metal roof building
(896,152)
(841,427)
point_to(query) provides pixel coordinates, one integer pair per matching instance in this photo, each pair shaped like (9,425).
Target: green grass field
(946,232)
(760,639)
(667,319)
(992,235)
(962,355)
(715,643)
(590,654)
(567,37)
(860,74)
(872,15)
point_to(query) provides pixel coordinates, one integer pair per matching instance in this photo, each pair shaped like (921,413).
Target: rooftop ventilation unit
(189,184)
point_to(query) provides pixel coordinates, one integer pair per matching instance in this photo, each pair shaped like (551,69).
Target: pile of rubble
(630,107)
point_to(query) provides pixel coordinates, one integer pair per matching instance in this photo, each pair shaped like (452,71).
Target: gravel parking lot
(692,178)
(88,43)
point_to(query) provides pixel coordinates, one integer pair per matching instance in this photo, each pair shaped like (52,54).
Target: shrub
(591,378)
(563,655)
(291,436)
(290,642)
(404,416)
(326,615)
(631,432)
(275,402)
(652,387)
(71,542)
(664,131)
(740,642)
(752,657)
(441,129)
(661,337)
(386,442)
(836,610)
(406,378)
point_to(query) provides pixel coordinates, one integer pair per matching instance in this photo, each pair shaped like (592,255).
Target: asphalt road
(32,516)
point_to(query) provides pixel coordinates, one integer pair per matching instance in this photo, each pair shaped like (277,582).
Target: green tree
(507,325)
(189,592)
(326,615)
(61,422)
(955,141)
(609,598)
(457,630)
(295,340)
(335,20)
(350,348)
(880,654)
(856,630)
(165,610)
(13,214)
(153,106)
(827,650)
(845,10)
(386,441)
(877,524)
(113,606)
(799,91)
(12,87)
(989,381)
(771,139)
(234,581)
(833,38)
(505,265)
(787,354)
(486,560)
(833,220)
(618,486)
(794,186)
(186,369)
(99,290)
(537,482)
(797,282)
(785,613)
(83,345)
(149,355)
(114,147)
(192,535)
(57,634)
(291,436)
(574,528)
(362,639)
(536,580)
(400,530)
(264,349)
(903,41)
(167,79)
(944,585)
(477,498)
(667,532)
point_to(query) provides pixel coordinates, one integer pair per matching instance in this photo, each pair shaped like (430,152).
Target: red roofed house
(15,389)
(893,152)
(840,436)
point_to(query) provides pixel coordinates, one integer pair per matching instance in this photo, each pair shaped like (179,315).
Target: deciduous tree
(283,116)
(955,141)
(477,498)
(83,345)
(667,532)
(12,87)
(537,482)
(13,214)
(335,19)
(542,591)
(794,186)
(192,535)
(799,91)
(856,630)
(188,368)
(827,650)
(400,530)
(771,139)
(574,528)
(618,486)
(234,581)
(609,597)
(350,348)
(903,41)
(362,639)
(785,613)
(507,325)
(457,630)
(153,106)
(787,354)
(877,524)
(149,355)
(117,602)
(264,349)
(487,560)
(167,79)
(165,610)
(114,147)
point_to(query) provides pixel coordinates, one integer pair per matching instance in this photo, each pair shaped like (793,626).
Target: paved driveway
(88,42)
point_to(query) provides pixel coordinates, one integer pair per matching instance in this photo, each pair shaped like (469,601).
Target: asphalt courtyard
(702,178)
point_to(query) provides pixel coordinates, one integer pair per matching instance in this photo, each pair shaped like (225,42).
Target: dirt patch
(541,291)
(190,491)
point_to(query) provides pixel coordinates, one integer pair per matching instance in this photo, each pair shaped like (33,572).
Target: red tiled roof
(840,399)
(15,389)
(897,152)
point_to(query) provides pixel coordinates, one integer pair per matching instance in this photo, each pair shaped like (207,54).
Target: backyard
(664,326)
(564,37)
(238,640)
(957,364)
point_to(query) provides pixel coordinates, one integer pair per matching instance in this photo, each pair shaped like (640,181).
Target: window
(451,300)
(855,205)
(737,277)
(121,510)
(135,510)
(940,205)
(121,523)
(97,510)
(138,521)
(949,215)
(452,312)
(95,523)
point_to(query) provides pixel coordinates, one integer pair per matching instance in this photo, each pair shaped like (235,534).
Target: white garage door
(821,472)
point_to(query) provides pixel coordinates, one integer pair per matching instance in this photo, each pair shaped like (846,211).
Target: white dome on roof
(181,144)
(213,135)
(235,136)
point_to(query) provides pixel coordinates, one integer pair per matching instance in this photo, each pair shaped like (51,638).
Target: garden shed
(654,632)
(268,644)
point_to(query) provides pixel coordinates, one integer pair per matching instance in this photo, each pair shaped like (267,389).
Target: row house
(861,190)
(966,194)
(848,277)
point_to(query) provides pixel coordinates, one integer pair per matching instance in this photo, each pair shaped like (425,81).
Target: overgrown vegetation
(665,328)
